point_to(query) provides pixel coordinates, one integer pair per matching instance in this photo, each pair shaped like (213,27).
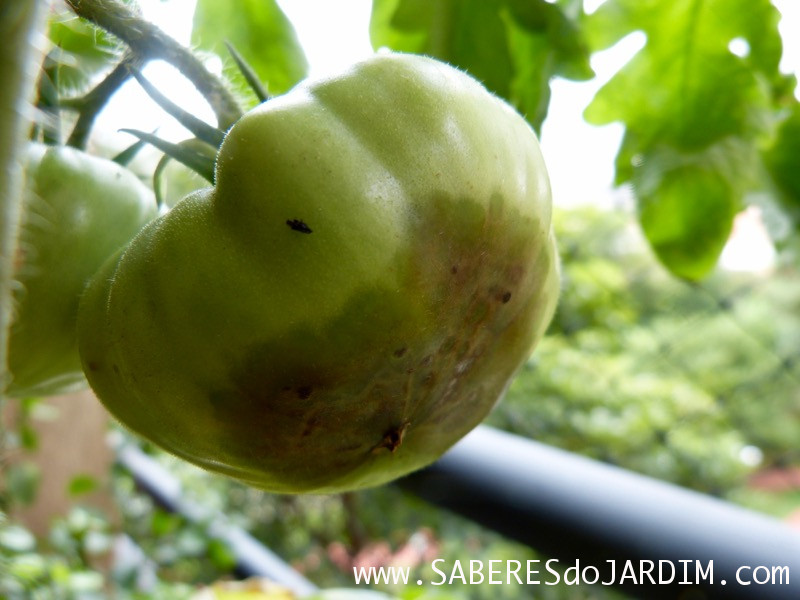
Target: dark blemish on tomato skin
(454,269)
(312,424)
(506,297)
(393,438)
(400,352)
(298,225)
(93,366)
(304,392)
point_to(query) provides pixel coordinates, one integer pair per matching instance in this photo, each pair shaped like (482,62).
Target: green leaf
(164,523)
(221,555)
(783,163)
(28,438)
(22,482)
(260,32)
(687,217)
(513,46)
(81,51)
(695,113)
(469,33)
(27,568)
(81,484)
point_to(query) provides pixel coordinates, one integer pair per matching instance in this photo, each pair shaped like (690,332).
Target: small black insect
(298,225)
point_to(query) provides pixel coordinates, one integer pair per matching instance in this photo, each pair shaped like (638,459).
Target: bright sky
(334,34)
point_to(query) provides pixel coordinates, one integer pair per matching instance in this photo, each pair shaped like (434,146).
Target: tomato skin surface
(353,296)
(78,210)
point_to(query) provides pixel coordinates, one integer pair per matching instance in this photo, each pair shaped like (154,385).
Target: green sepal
(199,163)
(198,127)
(248,73)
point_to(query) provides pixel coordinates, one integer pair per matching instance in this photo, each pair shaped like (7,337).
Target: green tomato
(77,211)
(374,264)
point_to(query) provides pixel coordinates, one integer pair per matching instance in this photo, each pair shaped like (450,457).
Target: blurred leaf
(470,34)
(27,567)
(81,50)
(28,437)
(81,484)
(164,523)
(688,217)
(704,85)
(85,582)
(22,482)
(221,555)
(261,33)
(513,46)
(16,539)
(783,162)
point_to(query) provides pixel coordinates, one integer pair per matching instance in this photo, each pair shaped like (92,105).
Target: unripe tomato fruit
(78,210)
(353,296)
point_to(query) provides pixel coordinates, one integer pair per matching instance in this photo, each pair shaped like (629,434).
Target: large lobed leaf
(696,102)
(261,33)
(513,46)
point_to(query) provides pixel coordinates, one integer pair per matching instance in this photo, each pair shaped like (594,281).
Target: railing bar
(572,507)
(253,559)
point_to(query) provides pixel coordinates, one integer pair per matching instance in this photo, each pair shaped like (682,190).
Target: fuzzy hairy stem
(92,103)
(148,42)
(21,21)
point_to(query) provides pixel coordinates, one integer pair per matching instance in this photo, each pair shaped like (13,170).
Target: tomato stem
(203,131)
(20,20)
(148,42)
(90,105)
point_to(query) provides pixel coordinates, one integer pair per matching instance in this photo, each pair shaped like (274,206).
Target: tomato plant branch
(92,103)
(19,19)
(148,43)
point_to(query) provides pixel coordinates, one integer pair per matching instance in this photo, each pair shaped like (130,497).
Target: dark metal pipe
(577,509)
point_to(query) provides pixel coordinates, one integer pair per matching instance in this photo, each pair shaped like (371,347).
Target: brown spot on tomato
(304,392)
(506,297)
(311,425)
(400,352)
(393,438)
